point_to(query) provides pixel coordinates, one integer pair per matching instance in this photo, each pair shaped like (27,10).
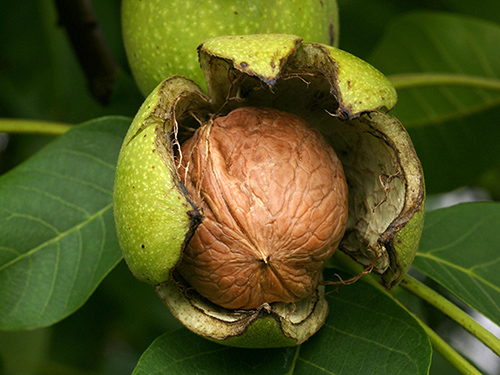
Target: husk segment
(343,97)
(148,194)
(275,325)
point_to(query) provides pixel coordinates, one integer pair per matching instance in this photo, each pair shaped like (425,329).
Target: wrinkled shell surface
(274,199)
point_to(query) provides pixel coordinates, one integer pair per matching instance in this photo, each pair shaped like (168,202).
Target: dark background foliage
(40,79)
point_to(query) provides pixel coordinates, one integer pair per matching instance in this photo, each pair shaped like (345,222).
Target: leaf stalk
(451,310)
(441,346)
(410,80)
(23,126)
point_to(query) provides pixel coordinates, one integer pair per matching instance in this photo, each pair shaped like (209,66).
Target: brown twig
(94,56)
(350,281)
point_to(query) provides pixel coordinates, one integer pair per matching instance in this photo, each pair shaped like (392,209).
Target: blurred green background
(40,79)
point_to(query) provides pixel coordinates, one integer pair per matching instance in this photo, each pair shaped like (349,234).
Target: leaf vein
(31,218)
(316,366)
(459,239)
(85,155)
(9,250)
(70,178)
(466,271)
(54,278)
(361,338)
(57,238)
(52,197)
(78,264)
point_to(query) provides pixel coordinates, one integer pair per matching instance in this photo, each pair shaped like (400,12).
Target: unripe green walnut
(156,214)
(161,36)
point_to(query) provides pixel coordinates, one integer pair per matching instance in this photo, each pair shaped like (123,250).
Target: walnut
(266,192)
(274,199)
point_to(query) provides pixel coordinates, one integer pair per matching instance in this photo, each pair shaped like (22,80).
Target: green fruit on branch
(161,36)
(231,204)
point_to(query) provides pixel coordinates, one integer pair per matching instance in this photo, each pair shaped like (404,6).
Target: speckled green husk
(153,214)
(161,36)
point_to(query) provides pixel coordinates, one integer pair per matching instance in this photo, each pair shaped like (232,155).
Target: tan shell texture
(274,199)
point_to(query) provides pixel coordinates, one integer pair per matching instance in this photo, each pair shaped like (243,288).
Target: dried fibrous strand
(274,197)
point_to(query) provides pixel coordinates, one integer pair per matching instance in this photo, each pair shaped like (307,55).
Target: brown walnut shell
(274,199)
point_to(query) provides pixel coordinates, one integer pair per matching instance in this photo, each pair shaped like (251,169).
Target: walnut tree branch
(94,56)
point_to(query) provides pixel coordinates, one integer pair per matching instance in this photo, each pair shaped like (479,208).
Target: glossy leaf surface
(459,250)
(57,236)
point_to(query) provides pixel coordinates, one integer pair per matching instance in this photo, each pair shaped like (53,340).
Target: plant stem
(94,55)
(346,263)
(451,310)
(441,346)
(448,352)
(401,81)
(22,126)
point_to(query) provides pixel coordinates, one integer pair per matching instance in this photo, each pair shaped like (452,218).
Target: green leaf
(365,329)
(459,250)
(446,70)
(57,237)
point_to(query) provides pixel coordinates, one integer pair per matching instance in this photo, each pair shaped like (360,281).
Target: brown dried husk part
(274,199)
